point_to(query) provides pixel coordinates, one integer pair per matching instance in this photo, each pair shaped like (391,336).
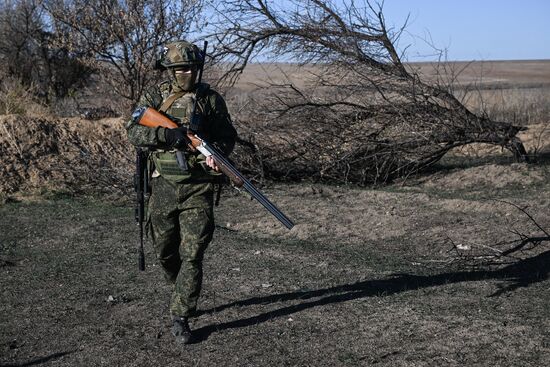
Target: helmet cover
(180,53)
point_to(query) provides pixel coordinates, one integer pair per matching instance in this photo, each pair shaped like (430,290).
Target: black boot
(181,330)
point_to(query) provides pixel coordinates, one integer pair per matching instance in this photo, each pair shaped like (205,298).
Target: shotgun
(150,117)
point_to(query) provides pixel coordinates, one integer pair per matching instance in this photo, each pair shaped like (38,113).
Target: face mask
(184,79)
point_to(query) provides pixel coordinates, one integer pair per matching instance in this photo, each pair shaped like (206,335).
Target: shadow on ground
(452,163)
(518,275)
(37,361)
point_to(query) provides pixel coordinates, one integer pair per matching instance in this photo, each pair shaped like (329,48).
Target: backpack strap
(170,101)
(202,89)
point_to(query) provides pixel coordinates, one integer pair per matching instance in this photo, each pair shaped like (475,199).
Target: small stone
(110,299)
(266,285)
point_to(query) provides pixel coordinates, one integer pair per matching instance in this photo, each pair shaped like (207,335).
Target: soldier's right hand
(176,138)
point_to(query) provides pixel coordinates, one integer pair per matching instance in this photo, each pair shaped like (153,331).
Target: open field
(516,91)
(489,74)
(497,74)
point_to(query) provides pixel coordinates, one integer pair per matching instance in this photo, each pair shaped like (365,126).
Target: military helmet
(180,53)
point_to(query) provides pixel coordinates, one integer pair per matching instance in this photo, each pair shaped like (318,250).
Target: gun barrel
(248,186)
(268,204)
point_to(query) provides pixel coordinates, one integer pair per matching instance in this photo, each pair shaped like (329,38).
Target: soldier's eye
(184,69)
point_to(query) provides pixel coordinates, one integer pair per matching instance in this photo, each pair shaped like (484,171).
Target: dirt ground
(363,279)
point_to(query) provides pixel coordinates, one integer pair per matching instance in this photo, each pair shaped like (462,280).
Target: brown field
(516,74)
(516,91)
(384,276)
(511,74)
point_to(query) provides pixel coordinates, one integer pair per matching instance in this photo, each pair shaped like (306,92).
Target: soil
(364,278)
(368,276)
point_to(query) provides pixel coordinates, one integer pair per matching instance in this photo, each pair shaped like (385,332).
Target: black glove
(176,138)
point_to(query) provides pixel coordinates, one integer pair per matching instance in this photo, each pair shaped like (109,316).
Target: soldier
(180,209)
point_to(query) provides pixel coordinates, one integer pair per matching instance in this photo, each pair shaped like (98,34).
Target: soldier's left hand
(212,163)
(176,138)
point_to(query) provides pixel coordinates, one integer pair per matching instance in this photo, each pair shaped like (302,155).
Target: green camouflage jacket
(216,128)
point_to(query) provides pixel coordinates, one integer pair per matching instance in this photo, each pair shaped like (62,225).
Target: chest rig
(180,106)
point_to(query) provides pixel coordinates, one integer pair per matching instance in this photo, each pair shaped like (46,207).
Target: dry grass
(15,98)
(41,155)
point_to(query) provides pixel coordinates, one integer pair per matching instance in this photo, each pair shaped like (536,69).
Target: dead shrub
(30,53)
(17,98)
(366,117)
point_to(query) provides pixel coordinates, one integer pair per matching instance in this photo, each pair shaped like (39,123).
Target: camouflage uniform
(180,209)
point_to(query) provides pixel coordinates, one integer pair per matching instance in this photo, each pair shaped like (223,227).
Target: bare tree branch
(122,37)
(505,250)
(389,121)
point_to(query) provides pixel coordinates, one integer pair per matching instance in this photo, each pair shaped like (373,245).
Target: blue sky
(473,30)
(466,29)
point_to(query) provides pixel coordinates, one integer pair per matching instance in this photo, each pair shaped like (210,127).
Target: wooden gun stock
(152,118)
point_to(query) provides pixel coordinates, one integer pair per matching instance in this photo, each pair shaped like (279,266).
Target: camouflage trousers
(181,226)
